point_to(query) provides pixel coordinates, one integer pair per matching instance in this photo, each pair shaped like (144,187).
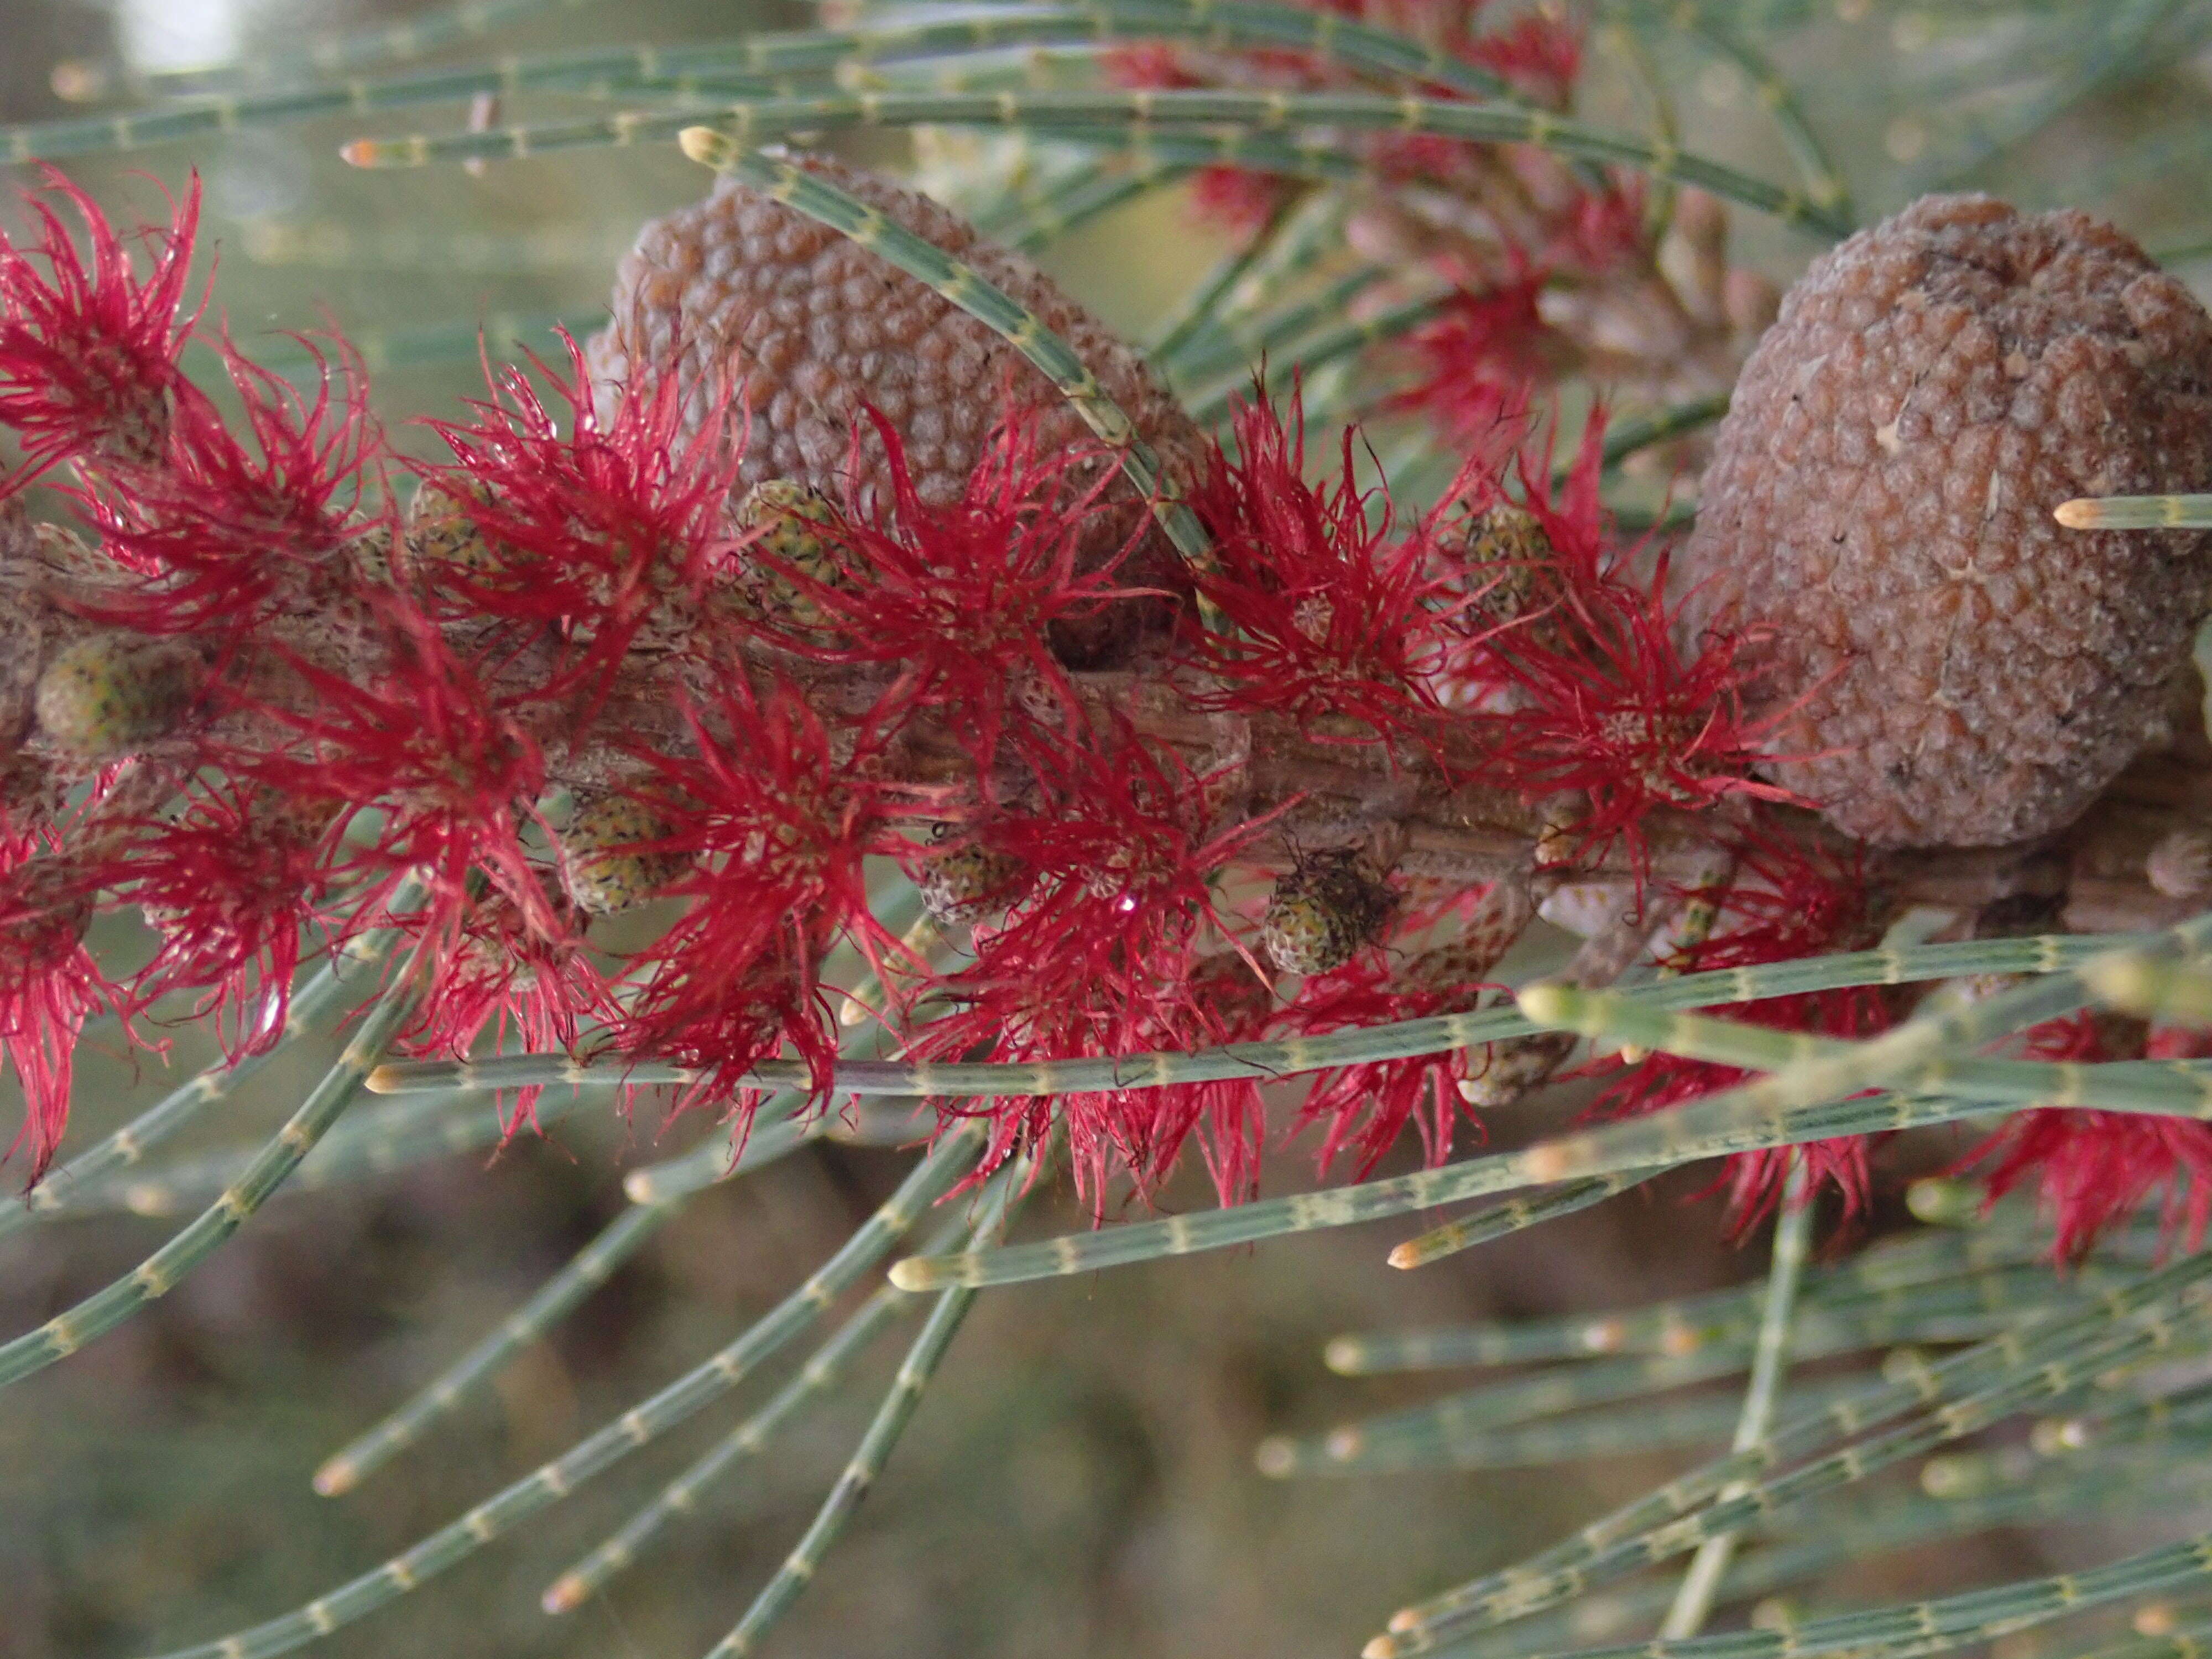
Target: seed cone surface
(811,329)
(1951,666)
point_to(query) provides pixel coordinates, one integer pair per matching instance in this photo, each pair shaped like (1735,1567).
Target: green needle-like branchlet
(1498,1220)
(773,65)
(560,1295)
(744,125)
(867,1461)
(822,1372)
(930,1178)
(158,1275)
(2135,513)
(1770,1355)
(124,1148)
(2046,954)
(2041,1360)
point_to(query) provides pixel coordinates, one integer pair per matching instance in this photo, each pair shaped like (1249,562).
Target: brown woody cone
(1971,673)
(812,328)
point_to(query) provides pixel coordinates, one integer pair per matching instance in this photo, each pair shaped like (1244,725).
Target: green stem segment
(767,119)
(883,1434)
(590,1268)
(930,1180)
(1793,1231)
(158,1274)
(1267,1062)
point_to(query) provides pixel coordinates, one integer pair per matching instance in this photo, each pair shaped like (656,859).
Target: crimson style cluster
(728,608)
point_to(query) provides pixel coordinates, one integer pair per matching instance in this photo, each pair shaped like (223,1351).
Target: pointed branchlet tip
(708,145)
(639,1188)
(383,1080)
(564,1594)
(1380,1647)
(1546,1003)
(82,80)
(1414,1253)
(1552,1160)
(1346,1355)
(2135,513)
(1944,1202)
(336,1478)
(359,153)
(1275,1457)
(914,1273)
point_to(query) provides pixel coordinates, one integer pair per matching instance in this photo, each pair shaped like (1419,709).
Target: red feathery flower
(589,531)
(1365,1108)
(2092,1169)
(49,984)
(232,882)
(502,973)
(1540,54)
(456,772)
(1236,199)
(1481,356)
(1099,957)
(1330,616)
(779,827)
(965,597)
(1603,701)
(88,352)
(231,518)
(1787,902)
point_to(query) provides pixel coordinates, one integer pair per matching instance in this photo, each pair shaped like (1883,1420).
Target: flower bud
(786,519)
(113,693)
(967,883)
(1505,548)
(609,862)
(1324,911)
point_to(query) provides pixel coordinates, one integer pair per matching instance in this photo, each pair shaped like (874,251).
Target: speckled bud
(1506,547)
(1323,911)
(440,534)
(809,329)
(968,883)
(1949,665)
(112,693)
(607,861)
(786,519)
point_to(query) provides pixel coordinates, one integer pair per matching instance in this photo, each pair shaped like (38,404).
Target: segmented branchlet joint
(785,521)
(440,534)
(610,860)
(1323,910)
(968,883)
(112,695)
